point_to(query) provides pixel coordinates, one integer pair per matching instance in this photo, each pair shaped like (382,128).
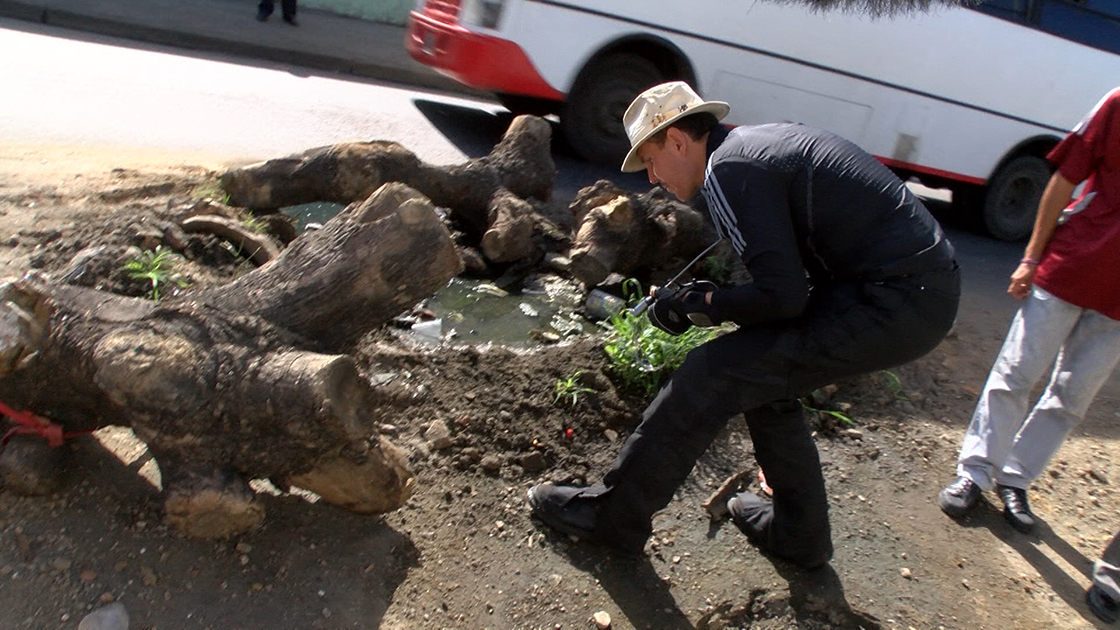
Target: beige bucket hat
(657,108)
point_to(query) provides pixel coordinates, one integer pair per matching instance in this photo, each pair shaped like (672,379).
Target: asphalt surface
(323,40)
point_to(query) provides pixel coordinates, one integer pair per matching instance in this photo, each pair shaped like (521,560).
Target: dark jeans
(287,8)
(847,329)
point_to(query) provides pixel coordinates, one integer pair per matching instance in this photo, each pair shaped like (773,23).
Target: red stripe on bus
(917,168)
(480,61)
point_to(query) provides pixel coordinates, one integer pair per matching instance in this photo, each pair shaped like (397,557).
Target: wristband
(1029,261)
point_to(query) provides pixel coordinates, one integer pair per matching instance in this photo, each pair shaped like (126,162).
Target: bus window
(1013,10)
(1094,23)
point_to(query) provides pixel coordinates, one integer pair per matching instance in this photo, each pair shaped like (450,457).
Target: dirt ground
(463,552)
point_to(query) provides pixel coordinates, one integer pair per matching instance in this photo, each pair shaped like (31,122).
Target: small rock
(557,262)
(854,434)
(491,463)
(601,619)
(819,397)
(147,576)
(88,575)
(611,435)
(533,462)
(62,564)
(111,617)
(906,573)
(243,547)
(438,435)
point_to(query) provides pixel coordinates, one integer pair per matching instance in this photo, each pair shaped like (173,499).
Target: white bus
(969,99)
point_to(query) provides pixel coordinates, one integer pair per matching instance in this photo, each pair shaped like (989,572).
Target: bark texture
(647,236)
(345,173)
(249,379)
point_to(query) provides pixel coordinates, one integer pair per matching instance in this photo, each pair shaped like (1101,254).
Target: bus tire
(1011,200)
(591,120)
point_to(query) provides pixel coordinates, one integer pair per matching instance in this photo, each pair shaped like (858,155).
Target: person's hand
(676,309)
(667,311)
(697,302)
(1021,280)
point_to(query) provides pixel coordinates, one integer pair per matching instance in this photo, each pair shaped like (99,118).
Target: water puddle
(475,312)
(318,212)
(478,312)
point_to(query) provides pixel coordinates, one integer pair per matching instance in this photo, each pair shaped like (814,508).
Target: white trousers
(1004,445)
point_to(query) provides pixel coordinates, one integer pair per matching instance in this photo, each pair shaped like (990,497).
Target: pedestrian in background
(287,10)
(1070,278)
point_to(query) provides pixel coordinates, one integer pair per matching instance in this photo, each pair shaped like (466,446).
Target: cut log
(367,265)
(510,235)
(255,246)
(647,236)
(375,481)
(235,378)
(346,173)
(218,505)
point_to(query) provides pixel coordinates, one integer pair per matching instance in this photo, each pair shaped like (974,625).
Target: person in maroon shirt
(1070,279)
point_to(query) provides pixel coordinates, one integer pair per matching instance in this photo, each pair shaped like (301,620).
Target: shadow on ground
(309,562)
(1031,547)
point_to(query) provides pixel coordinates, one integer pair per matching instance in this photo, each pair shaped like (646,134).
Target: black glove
(667,312)
(676,309)
(699,312)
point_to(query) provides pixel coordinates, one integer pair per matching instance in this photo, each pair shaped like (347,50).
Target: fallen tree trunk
(345,173)
(229,383)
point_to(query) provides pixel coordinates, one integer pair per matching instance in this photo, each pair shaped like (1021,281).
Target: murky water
(318,212)
(476,311)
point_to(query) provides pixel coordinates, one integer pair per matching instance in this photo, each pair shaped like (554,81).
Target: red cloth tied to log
(28,423)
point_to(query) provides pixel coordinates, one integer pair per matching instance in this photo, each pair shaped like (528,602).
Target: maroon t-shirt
(1081,264)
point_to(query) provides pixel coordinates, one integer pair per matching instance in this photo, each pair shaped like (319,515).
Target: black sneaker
(1015,508)
(1103,606)
(957,498)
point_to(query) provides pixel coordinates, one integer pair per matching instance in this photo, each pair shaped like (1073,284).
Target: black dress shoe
(1103,606)
(753,516)
(566,509)
(561,509)
(1015,508)
(957,498)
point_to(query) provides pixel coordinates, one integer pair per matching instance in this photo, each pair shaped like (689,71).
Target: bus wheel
(1011,203)
(591,120)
